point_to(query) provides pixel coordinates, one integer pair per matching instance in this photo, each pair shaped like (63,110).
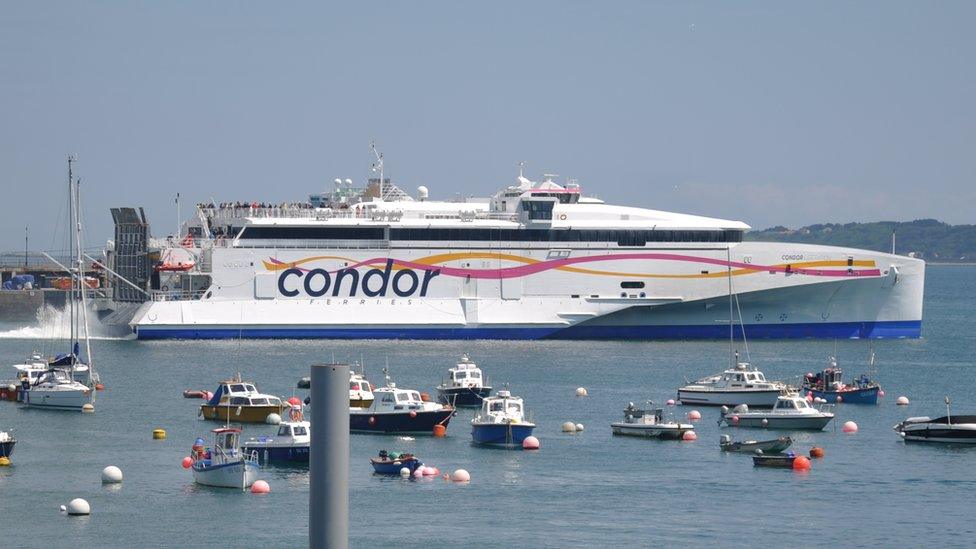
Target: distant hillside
(928,239)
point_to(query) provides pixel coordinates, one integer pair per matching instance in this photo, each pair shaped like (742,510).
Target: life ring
(562,217)
(295,414)
(165,288)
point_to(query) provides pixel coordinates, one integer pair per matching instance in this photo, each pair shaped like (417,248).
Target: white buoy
(670,402)
(78,506)
(111,475)
(273,419)
(569,427)
(902,401)
(88,408)
(581,391)
(765,422)
(404,472)
(579,427)
(461,475)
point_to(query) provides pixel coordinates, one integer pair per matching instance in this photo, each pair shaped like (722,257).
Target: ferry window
(632,284)
(313,233)
(300,431)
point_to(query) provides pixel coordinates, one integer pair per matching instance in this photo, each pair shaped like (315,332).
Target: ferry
(538,259)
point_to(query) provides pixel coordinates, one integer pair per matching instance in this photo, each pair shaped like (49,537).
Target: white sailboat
(56,387)
(739,384)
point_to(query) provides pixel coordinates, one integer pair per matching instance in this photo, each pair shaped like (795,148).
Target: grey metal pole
(328,499)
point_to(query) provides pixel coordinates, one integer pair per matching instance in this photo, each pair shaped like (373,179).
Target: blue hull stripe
(845,330)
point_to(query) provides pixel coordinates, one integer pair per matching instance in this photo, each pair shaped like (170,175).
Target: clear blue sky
(772,113)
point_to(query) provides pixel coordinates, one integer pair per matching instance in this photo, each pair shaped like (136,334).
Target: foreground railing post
(328,499)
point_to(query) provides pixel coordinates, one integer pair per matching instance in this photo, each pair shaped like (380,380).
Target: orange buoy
(816,452)
(99,387)
(294,401)
(187,462)
(439,430)
(801,463)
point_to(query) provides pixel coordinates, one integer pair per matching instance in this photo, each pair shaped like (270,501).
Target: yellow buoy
(159,434)
(4,461)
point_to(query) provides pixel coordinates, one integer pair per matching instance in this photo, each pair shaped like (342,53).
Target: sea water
(583,489)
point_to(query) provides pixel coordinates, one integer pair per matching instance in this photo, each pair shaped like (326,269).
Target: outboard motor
(724,439)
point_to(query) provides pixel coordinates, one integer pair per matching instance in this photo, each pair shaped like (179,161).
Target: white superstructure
(535,260)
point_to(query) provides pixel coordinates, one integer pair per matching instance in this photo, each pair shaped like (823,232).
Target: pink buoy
(461,475)
(260,487)
(809,394)
(840,398)
(418,472)
(187,462)
(294,401)
(735,419)
(530,443)
(694,415)
(881,393)
(413,413)
(849,427)
(670,402)
(809,397)
(689,435)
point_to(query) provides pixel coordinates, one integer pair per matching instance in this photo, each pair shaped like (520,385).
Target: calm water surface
(581,490)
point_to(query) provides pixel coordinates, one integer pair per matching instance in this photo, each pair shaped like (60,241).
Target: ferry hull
(520,293)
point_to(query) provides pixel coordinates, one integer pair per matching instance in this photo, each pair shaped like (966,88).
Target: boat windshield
(239,401)
(237,388)
(497,406)
(515,407)
(402,397)
(785,405)
(250,388)
(414,395)
(353,386)
(300,431)
(284,430)
(259,401)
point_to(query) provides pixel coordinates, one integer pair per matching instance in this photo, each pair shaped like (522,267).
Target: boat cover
(19,282)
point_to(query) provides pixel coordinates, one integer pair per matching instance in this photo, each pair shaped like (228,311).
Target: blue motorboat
(501,421)
(390,463)
(290,445)
(829,385)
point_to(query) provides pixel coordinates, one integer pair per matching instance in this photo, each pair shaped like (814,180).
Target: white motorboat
(742,384)
(501,421)
(649,423)
(948,428)
(401,411)
(465,385)
(790,412)
(360,390)
(224,465)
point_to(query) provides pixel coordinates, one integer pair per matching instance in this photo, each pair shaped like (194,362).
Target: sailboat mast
(728,252)
(81,282)
(71,247)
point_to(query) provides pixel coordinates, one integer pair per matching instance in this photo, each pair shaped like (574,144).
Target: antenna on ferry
(521,166)
(378,167)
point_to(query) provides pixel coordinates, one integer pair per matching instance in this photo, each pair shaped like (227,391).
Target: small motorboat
(649,423)
(501,421)
(360,389)
(400,411)
(390,463)
(829,385)
(290,445)
(791,412)
(742,384)
(7,442)
(774,446)
(238,400)
(780,460)
(224,465)
(947,429)
(465,385)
